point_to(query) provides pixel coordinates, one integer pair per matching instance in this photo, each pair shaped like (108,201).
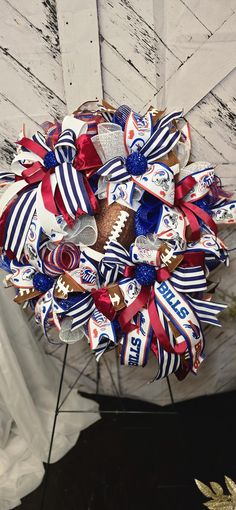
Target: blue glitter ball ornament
(42,282)
(136,163)
(50,160)
(145,274)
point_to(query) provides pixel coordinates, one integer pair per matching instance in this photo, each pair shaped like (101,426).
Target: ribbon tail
(158,329)
(205,217)
(47,194)
(128,313)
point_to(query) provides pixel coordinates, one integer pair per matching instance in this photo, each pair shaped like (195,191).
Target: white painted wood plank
(203,71)
(211,13)
(27,92)
(203,149)
(132,91)
(42,15)
(11,121)
(78,32)
(178,27)
(135,42)
(216,122)
(26,45)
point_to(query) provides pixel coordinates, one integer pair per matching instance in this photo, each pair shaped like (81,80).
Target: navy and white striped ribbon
(159,144)
(102,346)
(7,176)
(115,259)
(40,139)
(206,311)
(72,189)
(18,222)
(107,273)
(168,362)
(81,311)
(189,279)
(117,255)
(167,119)
(70,182)
(65,147)
(114,170)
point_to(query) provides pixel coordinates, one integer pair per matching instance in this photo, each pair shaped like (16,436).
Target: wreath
(109,233)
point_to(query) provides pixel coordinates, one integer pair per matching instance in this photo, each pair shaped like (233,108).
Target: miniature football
(114,223)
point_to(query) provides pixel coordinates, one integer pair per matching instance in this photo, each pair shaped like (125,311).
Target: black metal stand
(58,409)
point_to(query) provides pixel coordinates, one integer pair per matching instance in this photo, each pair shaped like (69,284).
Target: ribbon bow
(75,193)
(61,188)
(185,198)
(140,166)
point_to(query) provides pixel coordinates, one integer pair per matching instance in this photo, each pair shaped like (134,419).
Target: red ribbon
(34,173)
(191,210)
(47,194)
(128,313)
(163,274)
(160,332)
(103,303)
(129,271)
(87,158)
(32,146)
(193,259)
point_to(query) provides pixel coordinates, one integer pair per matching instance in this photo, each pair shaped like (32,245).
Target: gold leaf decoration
(219,500)
(217,488)
(231,485)
(204,489)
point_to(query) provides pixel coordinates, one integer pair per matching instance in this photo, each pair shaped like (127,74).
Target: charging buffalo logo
(196,332)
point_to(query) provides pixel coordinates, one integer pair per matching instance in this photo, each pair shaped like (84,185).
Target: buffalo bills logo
(99,319)
(88,276)
(163,179)
(206,180)
(196,332)
(133,289)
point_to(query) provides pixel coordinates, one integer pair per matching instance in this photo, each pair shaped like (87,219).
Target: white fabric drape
(29,381)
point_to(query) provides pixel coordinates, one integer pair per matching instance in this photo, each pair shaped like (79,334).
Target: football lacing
(118,226)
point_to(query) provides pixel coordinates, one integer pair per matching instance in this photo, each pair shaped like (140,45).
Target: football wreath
(109,233)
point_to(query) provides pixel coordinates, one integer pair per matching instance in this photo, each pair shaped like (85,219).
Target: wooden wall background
(179,53)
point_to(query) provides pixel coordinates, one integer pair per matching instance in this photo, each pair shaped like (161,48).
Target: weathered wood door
(174,53)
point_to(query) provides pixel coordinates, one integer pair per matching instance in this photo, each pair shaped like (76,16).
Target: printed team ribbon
(171,224)
(224,214)
(159,181)
(137,131)
(192,187)
(177,310)
(136,344)
(101,333)
(211,245)
(33,244)
(158,178)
